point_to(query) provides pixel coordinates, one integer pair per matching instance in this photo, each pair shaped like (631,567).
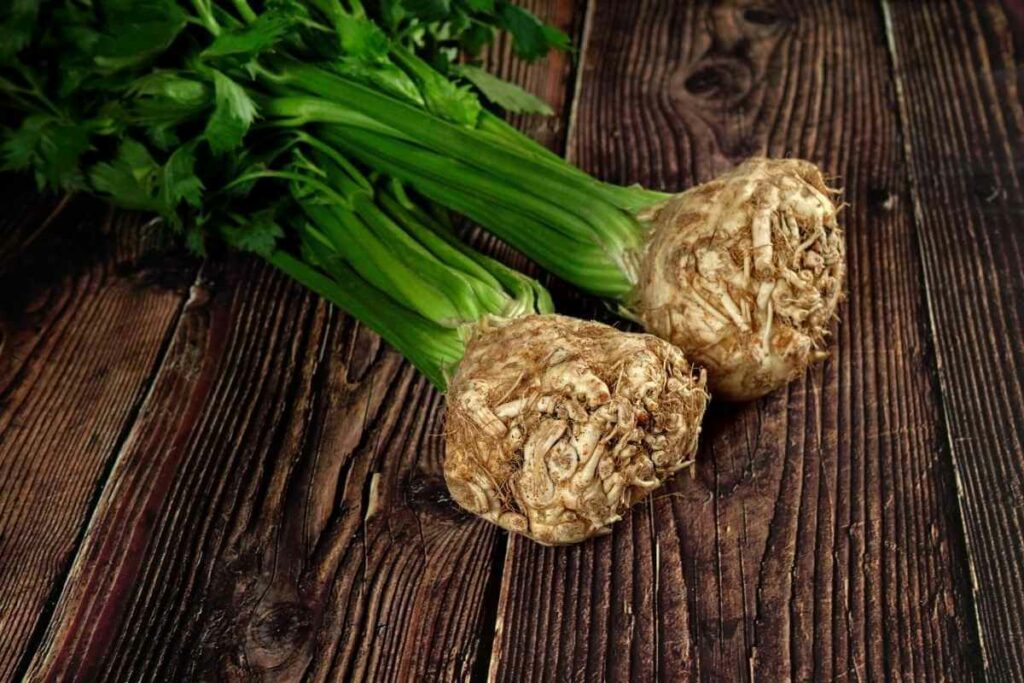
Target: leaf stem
(205,11)
(245,11)
(432,349)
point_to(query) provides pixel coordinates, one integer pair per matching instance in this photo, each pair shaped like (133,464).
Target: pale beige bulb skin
(744,274)
(556,426)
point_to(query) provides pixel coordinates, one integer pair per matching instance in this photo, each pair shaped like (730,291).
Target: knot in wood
(719,82)
(277,632)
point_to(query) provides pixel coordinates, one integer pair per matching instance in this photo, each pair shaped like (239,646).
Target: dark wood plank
(820,538)
(84,319)
(28,215)
(279,510)
(958,71)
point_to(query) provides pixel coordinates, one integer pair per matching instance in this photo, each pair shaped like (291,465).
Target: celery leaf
(233,113)
(508,96)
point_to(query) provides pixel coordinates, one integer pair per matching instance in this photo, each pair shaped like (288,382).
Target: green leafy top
(175,107)
(155,104)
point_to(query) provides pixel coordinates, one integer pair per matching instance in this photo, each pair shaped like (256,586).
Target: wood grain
(820,538)
(956,64)
(221,477)
(28,215)
(83,325)
(278,510)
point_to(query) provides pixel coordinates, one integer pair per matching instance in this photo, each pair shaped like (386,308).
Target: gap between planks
(943,428)
(60,583)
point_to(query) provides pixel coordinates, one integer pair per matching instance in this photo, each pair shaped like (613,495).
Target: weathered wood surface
(278,509)
(83,323)
(273,538)
(820,537)
(207,473)
(956,66)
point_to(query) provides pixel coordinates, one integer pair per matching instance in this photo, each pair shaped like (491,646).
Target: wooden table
(206,472)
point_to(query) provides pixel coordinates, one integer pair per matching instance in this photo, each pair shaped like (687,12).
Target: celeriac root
(744,274)
(556,426)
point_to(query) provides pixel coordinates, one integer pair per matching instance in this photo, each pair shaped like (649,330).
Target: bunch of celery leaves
(274,126)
